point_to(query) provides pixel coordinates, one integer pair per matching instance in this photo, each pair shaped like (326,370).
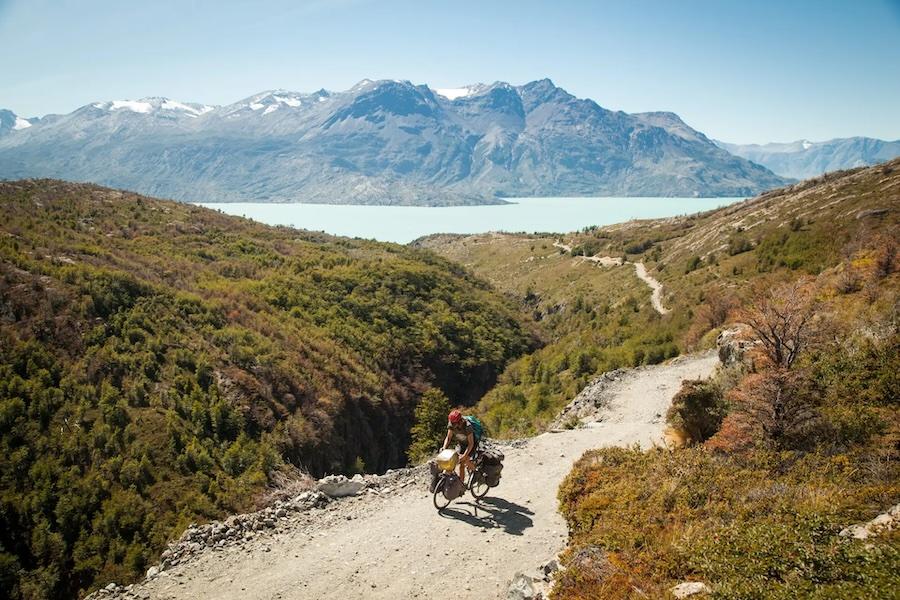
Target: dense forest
(160,363)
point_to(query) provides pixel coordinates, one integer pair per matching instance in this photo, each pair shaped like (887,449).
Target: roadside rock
(589,402)
(886,521)
(549,568)
(690,588)
(734,343)
(522,588)
(338,486)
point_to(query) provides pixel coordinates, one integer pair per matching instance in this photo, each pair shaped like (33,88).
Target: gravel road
(396,545)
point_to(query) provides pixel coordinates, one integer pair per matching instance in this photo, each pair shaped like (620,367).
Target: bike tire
(438,498)
(478,488)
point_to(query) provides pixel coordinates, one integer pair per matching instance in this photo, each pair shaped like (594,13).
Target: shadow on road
(491,513)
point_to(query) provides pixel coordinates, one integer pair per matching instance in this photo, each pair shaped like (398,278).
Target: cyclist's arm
(470,439)
(446,440)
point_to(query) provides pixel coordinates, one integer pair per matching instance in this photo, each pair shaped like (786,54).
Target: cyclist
(461,431)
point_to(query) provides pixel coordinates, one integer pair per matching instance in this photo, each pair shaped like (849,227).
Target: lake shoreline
(404,224)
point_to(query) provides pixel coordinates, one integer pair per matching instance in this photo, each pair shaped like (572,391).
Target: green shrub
(430,426)
(697,409)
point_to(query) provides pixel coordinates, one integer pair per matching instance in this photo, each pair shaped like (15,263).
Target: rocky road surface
(390,541)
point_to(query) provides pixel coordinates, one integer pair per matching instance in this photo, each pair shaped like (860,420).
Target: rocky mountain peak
(382,141)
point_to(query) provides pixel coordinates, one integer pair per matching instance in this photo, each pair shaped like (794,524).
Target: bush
(693,264)
(430,426)
(777,407)
(758,525)
(697,410)
(738,244)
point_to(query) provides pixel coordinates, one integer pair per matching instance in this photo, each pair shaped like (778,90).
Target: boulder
(337,486)
(152,572)
(690,588)
(549,568)
(733,344)
(521,588)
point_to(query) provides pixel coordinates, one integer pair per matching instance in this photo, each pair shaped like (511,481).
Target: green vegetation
(160,362)
(783,450)
(789,447)
(759,525)
(593,319)
(430,427)
(697,410)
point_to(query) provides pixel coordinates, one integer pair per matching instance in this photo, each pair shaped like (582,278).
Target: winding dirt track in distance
(639,269)
(398,546)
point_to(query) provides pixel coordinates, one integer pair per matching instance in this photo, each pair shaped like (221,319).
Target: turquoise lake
(403,224)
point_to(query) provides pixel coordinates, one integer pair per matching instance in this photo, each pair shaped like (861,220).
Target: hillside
(598,316)
(381,142)
(162,363)
(783,478)
(804,159)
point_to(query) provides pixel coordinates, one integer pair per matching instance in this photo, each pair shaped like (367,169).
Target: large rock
(886,521)
(690,588)
(338,486)
(734,343)
(589,403)
(522,588)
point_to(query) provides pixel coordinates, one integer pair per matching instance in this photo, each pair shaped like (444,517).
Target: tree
(430,426)
(776,406)
(782,321)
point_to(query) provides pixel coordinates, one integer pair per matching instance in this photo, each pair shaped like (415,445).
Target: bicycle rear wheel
(477,485)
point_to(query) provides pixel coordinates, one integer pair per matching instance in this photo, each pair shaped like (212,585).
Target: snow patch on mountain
(21,123)
(132,105)
(175,105)
(292,102)
(454,93)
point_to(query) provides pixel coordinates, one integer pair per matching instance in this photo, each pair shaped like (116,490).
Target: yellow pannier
(447,459)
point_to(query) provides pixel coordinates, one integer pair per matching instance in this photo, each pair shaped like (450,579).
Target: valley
(166,364)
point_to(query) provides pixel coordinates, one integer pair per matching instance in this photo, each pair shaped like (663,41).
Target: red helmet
(455,416)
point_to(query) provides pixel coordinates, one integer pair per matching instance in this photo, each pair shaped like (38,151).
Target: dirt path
(655,297)
(639,269)
(399,546)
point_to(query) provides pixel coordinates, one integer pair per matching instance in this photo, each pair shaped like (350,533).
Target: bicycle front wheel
(440,501)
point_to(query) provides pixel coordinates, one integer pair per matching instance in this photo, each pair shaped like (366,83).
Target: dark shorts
(461,449)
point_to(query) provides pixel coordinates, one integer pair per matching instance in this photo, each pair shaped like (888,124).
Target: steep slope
(789,488)
(384,142)
(162,363)
(803,159)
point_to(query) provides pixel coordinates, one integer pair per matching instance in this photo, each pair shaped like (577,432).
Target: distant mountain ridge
(381,142)
(804,159)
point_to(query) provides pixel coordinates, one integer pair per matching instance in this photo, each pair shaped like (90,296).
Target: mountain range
(803,159)
(381,142)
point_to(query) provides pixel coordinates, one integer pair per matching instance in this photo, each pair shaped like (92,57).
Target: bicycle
(476,485)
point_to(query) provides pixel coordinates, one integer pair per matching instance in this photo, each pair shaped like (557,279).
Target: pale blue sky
(738,71)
